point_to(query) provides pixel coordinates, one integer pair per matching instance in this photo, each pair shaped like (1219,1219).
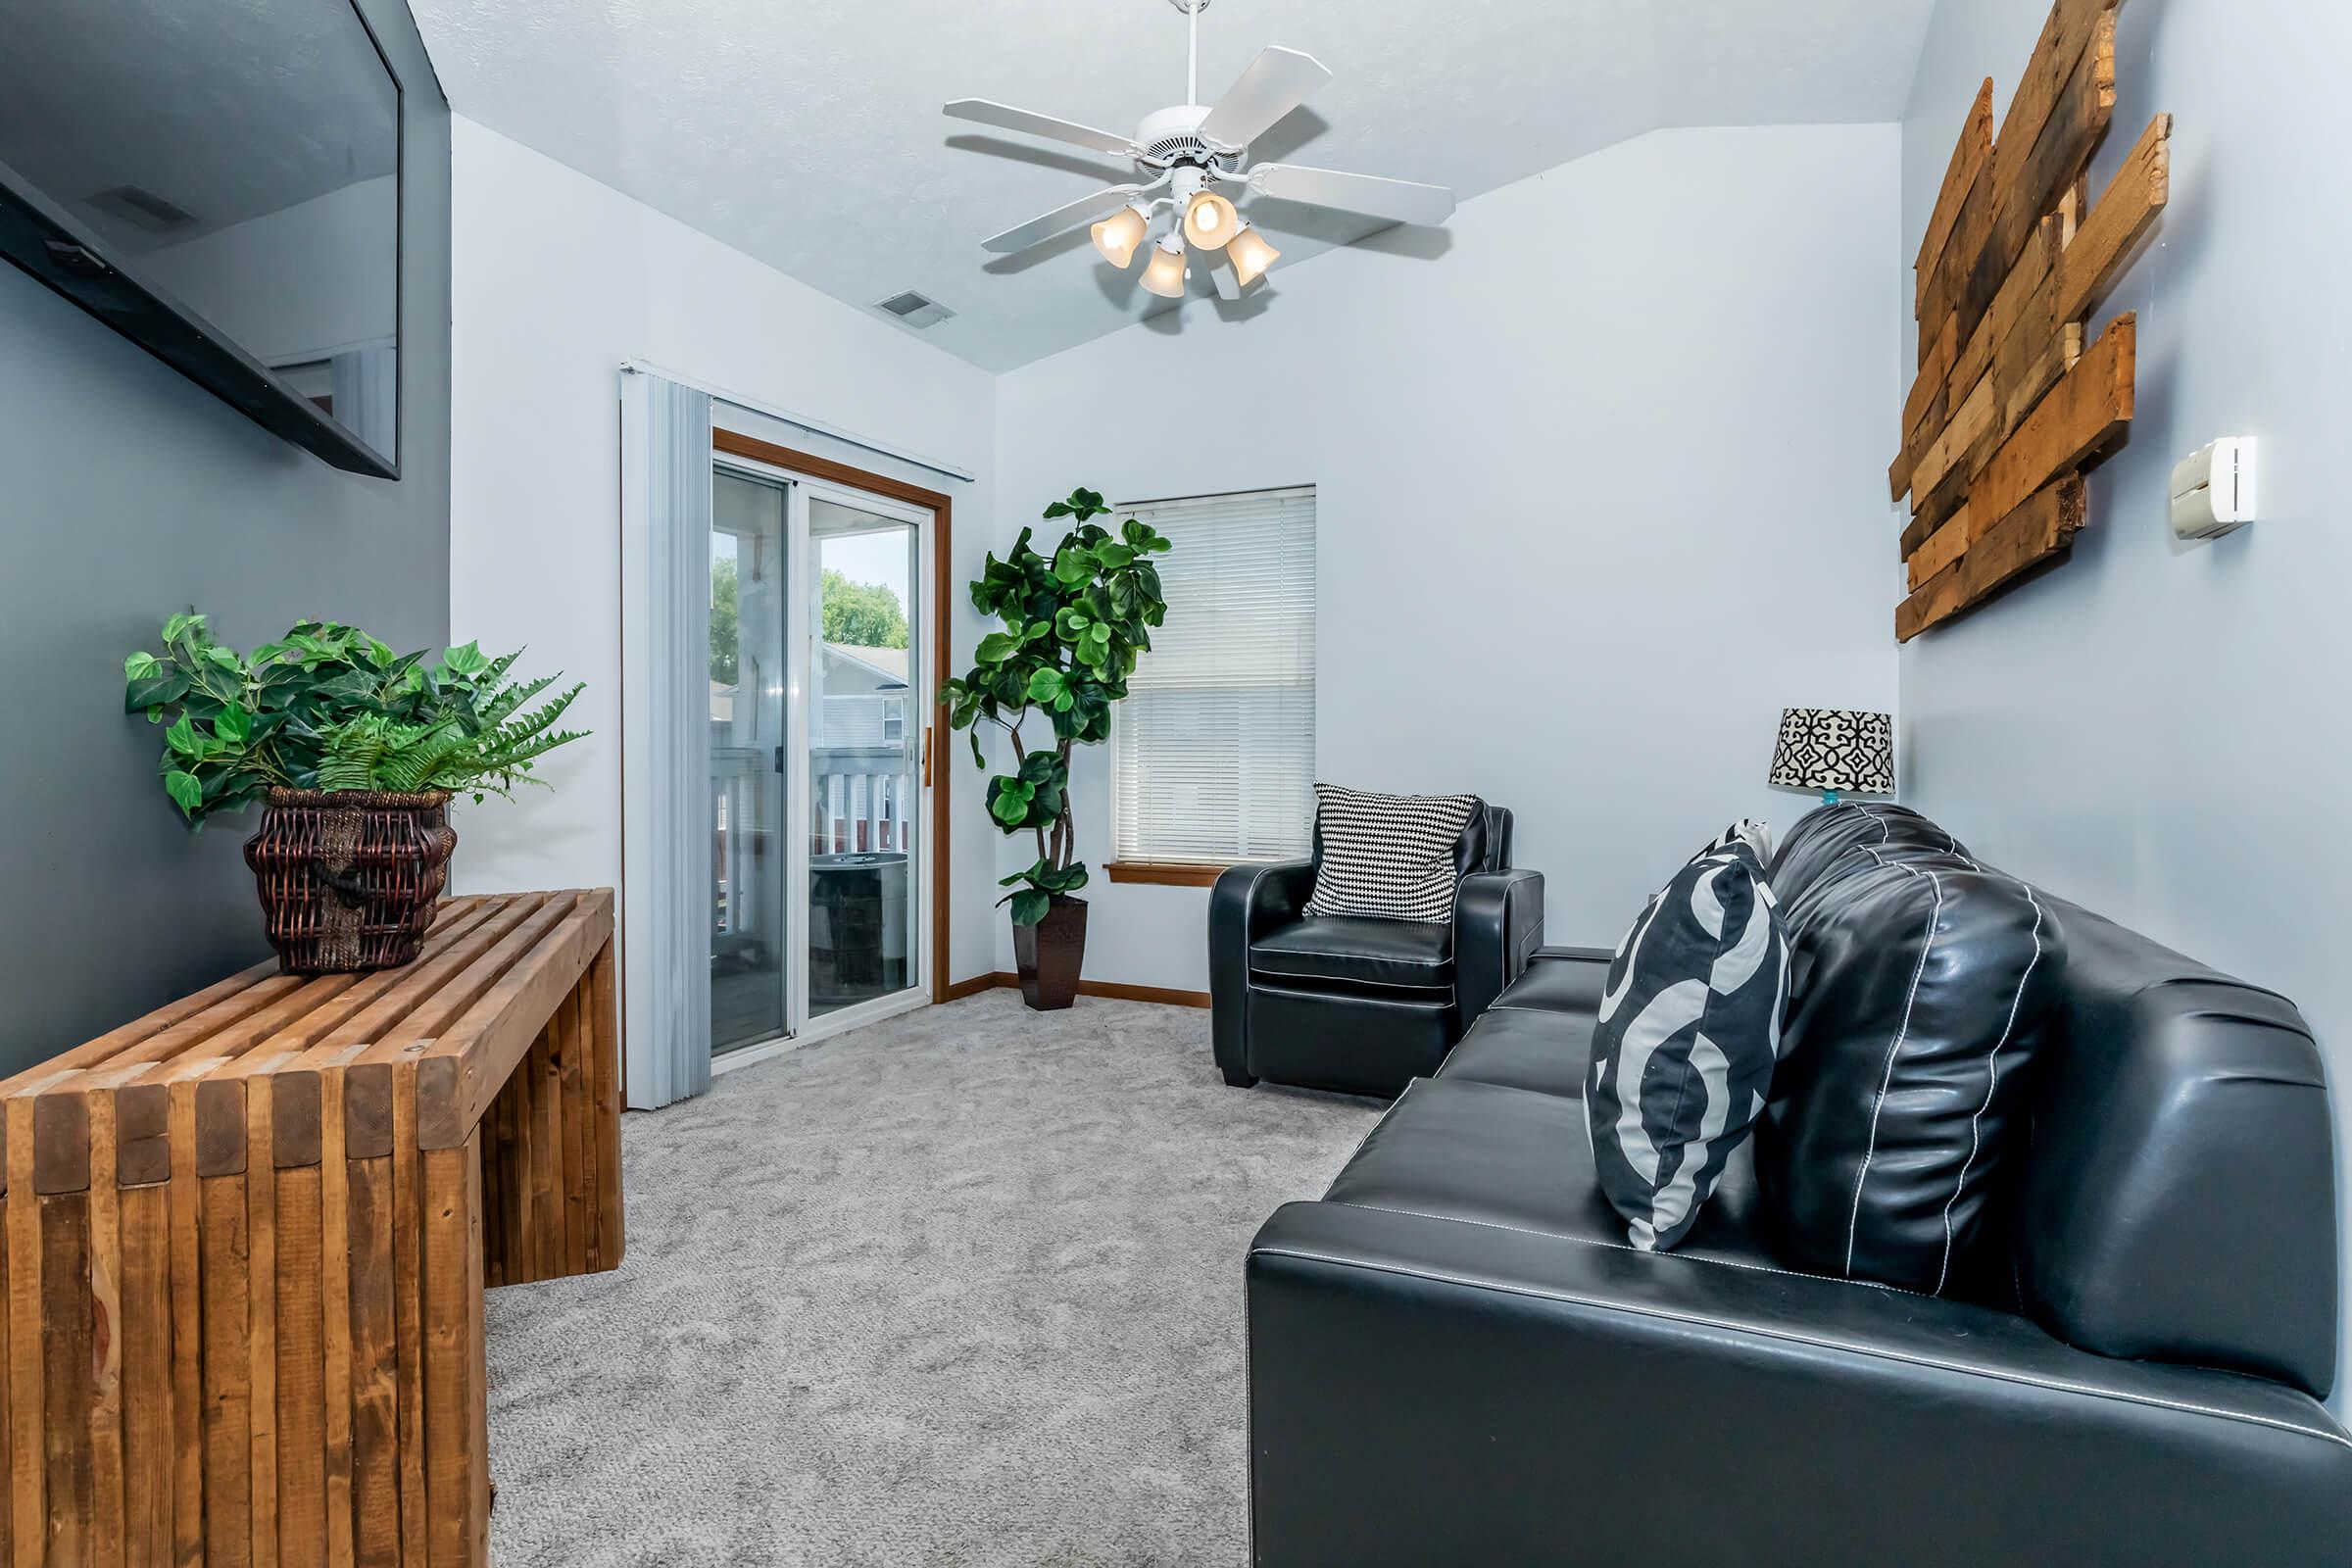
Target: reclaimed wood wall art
(2013,398)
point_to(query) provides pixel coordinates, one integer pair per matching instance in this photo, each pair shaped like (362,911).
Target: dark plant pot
(1050,955)
(349,880)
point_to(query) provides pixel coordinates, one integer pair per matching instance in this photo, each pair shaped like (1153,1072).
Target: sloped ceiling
(807,132)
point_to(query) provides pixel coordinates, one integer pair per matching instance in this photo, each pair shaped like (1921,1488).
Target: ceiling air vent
(144,208)
(916,310)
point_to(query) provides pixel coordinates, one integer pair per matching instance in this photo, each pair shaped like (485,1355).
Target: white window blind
(1213,751)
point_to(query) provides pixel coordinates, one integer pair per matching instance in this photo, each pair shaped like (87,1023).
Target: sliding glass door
(818,706)
(749,936)
(864,730)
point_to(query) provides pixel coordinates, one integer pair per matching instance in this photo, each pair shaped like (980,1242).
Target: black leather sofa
(1456,1357)
(1359,1005)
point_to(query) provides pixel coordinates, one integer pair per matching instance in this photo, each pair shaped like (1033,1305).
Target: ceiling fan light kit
(1209,221)
(1165,272)
(1117,235)
(1250,255)
(1181,153)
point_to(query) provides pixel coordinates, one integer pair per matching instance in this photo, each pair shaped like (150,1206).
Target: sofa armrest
(1497,923)
(1244,903)
(1513,1397)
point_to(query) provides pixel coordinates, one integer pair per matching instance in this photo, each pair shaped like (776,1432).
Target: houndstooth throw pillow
(1389,857)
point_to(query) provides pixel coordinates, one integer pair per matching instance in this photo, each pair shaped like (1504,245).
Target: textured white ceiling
(807,132)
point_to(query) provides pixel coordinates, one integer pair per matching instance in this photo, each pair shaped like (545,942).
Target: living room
(1123,788)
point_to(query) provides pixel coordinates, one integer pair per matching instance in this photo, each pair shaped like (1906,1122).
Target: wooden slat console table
(246,1238)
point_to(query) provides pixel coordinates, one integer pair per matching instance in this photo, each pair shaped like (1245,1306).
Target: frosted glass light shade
(1117,236)
(1209,221)
(1250,255)
(1163,275)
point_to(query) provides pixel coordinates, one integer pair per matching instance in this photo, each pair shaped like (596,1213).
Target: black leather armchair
(1362,1006)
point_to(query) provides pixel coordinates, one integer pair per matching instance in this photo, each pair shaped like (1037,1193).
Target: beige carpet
(962,1288)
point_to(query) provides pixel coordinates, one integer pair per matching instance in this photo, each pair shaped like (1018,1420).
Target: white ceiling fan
(1184,154)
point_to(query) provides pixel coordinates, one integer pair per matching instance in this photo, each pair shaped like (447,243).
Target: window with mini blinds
(1213,751)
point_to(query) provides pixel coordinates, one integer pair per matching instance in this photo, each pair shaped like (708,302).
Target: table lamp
(1835,749)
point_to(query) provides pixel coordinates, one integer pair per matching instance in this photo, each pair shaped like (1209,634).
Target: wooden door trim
(942,509)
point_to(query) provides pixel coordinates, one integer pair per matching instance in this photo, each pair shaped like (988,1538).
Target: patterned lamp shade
(1837,749)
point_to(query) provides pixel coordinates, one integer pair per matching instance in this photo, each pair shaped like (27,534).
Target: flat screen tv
(219,180)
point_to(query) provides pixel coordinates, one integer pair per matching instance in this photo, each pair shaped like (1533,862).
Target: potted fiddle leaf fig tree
(1074,625)
(353,752)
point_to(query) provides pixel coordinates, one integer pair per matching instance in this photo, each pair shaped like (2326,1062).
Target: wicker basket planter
(349,880)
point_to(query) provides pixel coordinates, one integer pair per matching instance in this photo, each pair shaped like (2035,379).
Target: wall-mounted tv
(219,180)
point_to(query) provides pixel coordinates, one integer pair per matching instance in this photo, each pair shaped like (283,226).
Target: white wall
(556,279)
(1599,492)
(2156,729)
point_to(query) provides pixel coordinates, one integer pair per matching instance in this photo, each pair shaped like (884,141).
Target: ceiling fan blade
(1006,117)
(1221,271)
(1277,81)
(1086,209)
(1403,200)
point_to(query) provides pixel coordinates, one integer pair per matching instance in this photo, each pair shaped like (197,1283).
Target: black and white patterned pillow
(1389,857)
(1690,1028)
(1757,836)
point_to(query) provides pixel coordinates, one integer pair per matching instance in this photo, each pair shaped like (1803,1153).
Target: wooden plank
(1969,232)
(2066,34)
(142,1135)
(7,1443)
(462,1070)
(375,1412)
(301,1371)
(1968,426)
(147,1411)
(185,1197)
(28,1473)
(1968,156)
(1933,371)
(61,1143)
(191,1030)
(430,995)
(2089,408)
(2023,379)
(261,1319)
(1943,547)
(108,1532)
(547,1149)
(65,1344)
(1934,509)
(452,1283)
(219,1127)
(573,1118)
(2077,122)
(408,1306)
(334,1300)
(227,1385)
(8,1503)
(2123,213)
(2015,292)
(2043,526)
(109,1044)
(610,1052)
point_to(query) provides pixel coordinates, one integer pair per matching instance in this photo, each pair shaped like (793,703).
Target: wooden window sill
(1163,873)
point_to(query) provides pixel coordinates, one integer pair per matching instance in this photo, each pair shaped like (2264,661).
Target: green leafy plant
(1074,625)
(329,708)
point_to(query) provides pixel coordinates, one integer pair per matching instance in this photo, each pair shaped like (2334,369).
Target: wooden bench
(246,1238)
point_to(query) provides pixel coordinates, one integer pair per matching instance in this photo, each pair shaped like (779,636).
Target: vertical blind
(1213,751)
(666,800)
